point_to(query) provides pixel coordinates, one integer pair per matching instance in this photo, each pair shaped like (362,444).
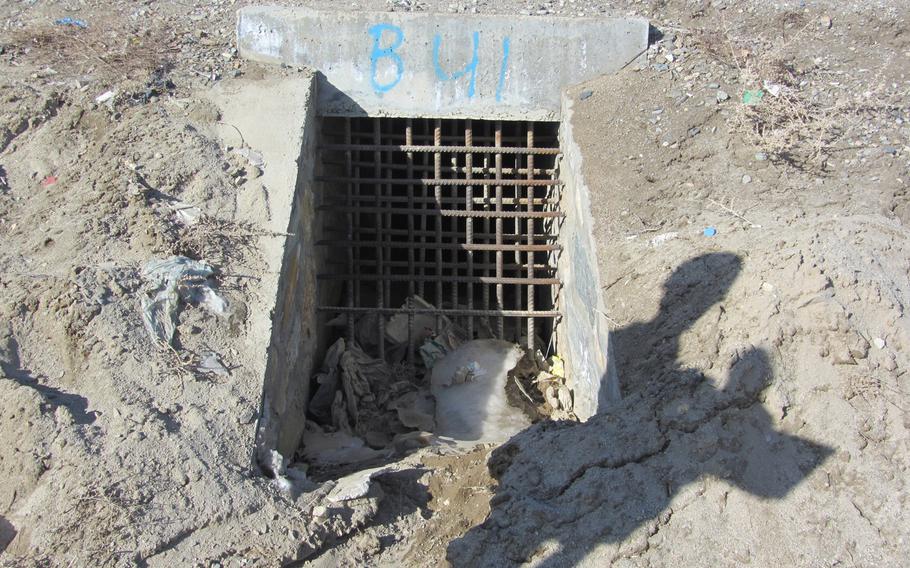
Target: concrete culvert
(439,281)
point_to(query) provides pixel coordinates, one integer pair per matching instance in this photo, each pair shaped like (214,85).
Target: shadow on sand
(566,488)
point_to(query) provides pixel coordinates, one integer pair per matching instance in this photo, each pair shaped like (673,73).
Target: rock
(585,94)
(747,178)
(879,343)
(722,96)
(825,22)
(761,156)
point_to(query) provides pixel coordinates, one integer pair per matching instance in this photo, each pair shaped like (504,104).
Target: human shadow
(566,488)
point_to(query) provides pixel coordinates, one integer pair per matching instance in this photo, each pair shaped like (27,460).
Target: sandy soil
(765,413)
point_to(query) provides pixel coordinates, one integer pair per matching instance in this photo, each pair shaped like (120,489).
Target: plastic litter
(185,214)
(49,180)
(586,94)
(252,156)
(753,97)
(170,282)
(105,96)
(709,231)
(68,21)
(662,238)
(210,364)
(477,409)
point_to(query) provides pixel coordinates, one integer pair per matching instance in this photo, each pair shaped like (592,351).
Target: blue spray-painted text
(389,47)
(383,52)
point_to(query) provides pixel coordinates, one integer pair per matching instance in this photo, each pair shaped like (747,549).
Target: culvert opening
(438,278)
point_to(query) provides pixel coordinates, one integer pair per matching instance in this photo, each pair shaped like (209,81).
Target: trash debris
(105,96)
(586,94)
(662,238)
(396,328)
(322,448)
(752,97)
(356,485)
(252,156)
(68,21)
(774,89)
(477,410)
(185,214)
(327,383)
(49,180)
(416,409)
(709,231)
(170,281)
(879,343)
(210,364)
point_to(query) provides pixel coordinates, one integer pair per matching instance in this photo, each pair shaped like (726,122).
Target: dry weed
(104,52)
(216,240)
(798,117)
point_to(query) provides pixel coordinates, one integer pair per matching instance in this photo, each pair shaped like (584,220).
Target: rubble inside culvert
(367,411)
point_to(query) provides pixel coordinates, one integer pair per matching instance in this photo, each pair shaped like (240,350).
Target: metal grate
(463,213)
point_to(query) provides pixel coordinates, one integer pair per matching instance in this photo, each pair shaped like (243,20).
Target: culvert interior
(433,220)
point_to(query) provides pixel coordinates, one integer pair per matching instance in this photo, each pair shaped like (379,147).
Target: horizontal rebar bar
(448,169)
(442,277)
(437,149)
(441,182)
(365,262)
(440,245)
(418,233)
(369,198)
(445,312)
(447,212)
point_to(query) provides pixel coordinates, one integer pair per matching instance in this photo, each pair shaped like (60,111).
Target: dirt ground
(753,254)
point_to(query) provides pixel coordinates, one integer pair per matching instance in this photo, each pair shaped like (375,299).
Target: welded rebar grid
(463,213)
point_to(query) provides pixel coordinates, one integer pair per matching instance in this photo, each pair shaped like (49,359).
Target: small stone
(879,343)
(320,511)
(694,131)
(825,22)
(722,96)
(761,156)
(586,94)
(890,150)
(747,178)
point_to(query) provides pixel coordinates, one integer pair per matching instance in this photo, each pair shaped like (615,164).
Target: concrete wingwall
(582,336)
(440,65)
(293,344)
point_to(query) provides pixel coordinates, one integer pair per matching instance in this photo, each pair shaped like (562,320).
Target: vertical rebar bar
(380,268)
(469,222)
(437,172)
(500,331)
(350,229)
(530,233)
(422,252)
(409,141)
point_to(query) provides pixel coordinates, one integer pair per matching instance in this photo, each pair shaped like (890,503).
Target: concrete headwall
(582,336)
(440,65)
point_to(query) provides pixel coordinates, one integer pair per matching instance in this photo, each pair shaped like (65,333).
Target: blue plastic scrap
(67,21)
(710,231)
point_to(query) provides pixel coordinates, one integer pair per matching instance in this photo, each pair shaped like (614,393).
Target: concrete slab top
(440,65)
